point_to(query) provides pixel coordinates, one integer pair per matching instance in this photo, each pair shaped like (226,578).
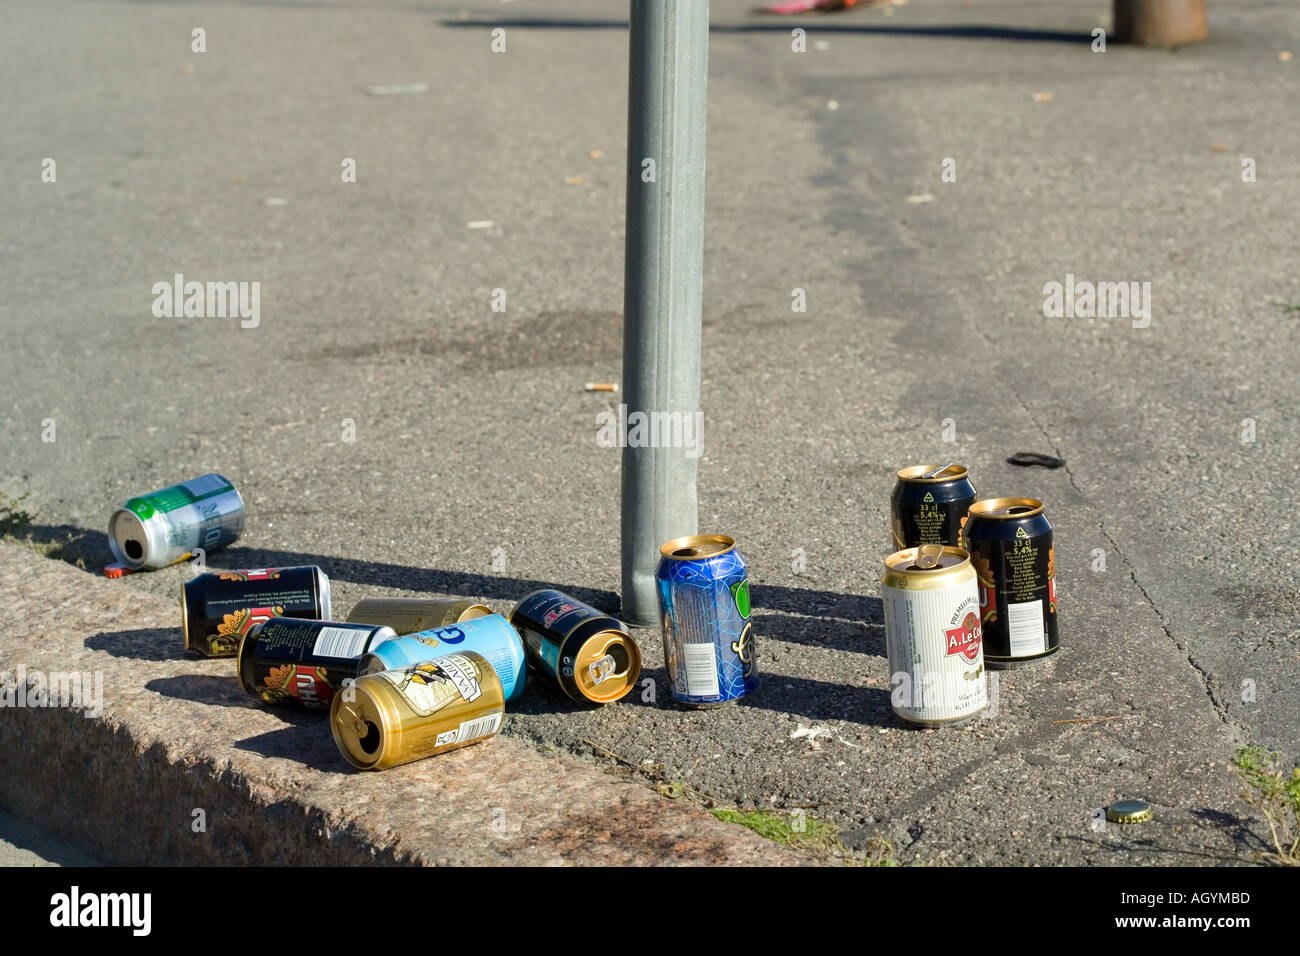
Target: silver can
(154,530)
(933,636)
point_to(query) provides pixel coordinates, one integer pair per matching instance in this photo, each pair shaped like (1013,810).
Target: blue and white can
(490,635)
(704,609)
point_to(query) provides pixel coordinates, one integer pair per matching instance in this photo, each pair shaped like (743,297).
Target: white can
(933,636)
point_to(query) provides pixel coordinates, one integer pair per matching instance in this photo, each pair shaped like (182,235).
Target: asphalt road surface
(474,467)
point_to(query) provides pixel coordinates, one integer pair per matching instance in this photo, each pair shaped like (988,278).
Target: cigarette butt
(602,386)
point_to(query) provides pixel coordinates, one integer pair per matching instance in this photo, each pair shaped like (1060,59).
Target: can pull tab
(358,725)
(602,669)
(927,556)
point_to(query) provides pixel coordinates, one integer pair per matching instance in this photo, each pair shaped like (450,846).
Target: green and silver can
(154,530)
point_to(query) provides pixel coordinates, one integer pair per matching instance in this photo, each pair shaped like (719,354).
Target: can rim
(116,546)
(999,509)
(912,474)
(596,647)
(904,561)
(699,546)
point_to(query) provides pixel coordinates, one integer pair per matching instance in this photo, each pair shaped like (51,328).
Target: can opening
(688,552)
(134,549)
(1019,510)
(370,742)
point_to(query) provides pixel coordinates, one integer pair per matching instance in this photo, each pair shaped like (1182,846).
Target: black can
(290,660)
(218,608)
(591,656)
(1010,545)
(930,510)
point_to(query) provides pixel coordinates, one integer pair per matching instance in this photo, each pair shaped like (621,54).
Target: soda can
(933,636)
(491,637)
(393,717)
(290,660)
(930,510)
(218,608)
(1010,544)
(704,605)
(588,654)
(162,527)
(408,615)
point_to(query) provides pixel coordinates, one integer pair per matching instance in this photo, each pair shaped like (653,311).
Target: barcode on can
(479,727)
(1025,628)
(701,663)
(341,642)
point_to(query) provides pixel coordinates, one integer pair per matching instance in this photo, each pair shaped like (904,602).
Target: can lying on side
(933,636)
(218,608)
(1010,544)
(704,606)
(408,615)
(591,656)
(492,637)
(294,661)
(393,717)
(154,530)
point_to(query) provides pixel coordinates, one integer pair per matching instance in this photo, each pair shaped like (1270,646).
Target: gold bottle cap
(1128,811)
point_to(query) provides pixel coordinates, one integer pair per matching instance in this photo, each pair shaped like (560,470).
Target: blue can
(704,608)
(490,635)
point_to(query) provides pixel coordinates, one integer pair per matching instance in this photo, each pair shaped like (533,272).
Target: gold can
(393,717)
(408,615)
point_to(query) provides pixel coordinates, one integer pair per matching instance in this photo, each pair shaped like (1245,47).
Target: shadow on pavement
(962,31)
(142,644)
(70,544)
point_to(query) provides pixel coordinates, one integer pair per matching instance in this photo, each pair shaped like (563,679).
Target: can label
(223,606)
(1017,583)
(194,518)
(300,661)
(935,645)
(434,685)
(930,512)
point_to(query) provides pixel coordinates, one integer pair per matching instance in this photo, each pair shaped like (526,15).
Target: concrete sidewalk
(473,466)
(183,767)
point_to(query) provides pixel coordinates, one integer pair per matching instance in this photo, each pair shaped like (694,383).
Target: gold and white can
(933,636)
(392,717)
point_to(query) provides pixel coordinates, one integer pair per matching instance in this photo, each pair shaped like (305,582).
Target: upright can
(294,661)
(588,654)
(492,637)
(158,529)
(393,717)
(933,636)
(1010,544)
(408,615)
(219,607)
(704,607)
(930,510)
